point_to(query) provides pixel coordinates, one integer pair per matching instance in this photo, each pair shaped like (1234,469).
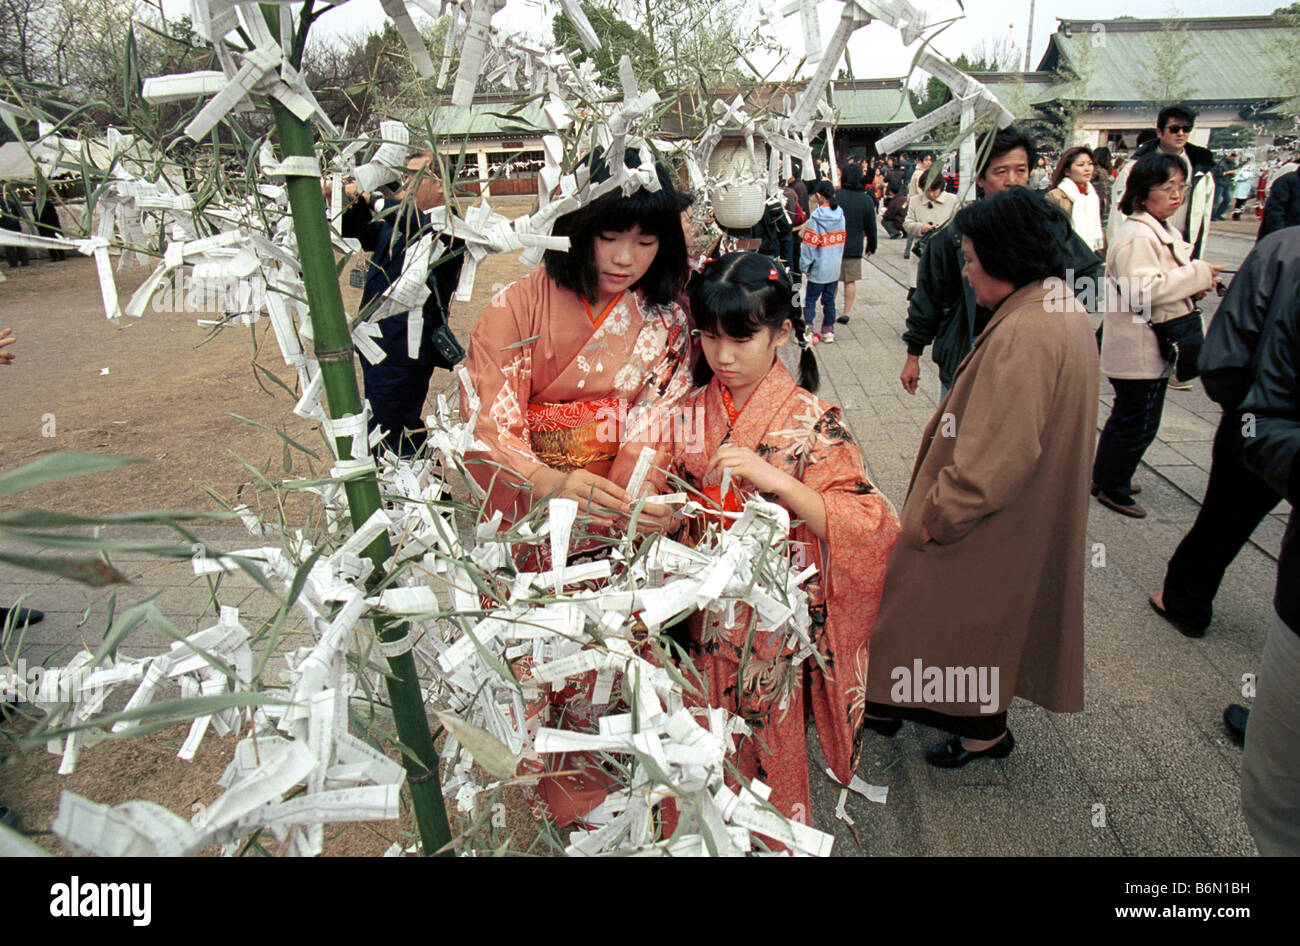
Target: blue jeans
(1132,425)
(1222,201)
(826,292)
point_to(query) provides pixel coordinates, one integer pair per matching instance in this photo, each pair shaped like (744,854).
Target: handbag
(446,345)
(1180,343)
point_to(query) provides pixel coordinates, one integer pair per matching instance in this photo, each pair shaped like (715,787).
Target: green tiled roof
(1230,59)
(484,119)
(873,106)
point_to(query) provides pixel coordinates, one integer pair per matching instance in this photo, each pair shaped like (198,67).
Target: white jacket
(1150,273)
(1199,203)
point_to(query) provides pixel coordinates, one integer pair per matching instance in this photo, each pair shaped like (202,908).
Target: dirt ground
(159,388)
(162,389)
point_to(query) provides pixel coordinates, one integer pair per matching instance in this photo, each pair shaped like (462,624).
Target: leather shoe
(21,617)
(1130,509)
(951,754)
(886,727)
(1187,630)
(1133,491)
(1235,718)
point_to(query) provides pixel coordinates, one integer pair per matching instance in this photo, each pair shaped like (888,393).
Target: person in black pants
(11,218)
(397,386)
(1236,500)
(47,223)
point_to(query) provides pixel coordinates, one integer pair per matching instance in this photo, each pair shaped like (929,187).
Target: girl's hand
(749,466)
(6,339)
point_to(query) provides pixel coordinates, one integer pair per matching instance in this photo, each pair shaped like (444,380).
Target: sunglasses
(1178,129)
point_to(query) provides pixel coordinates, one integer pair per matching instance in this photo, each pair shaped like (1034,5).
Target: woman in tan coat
(1152,278)
(983,594)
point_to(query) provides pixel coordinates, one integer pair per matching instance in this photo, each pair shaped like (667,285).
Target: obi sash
(580,435)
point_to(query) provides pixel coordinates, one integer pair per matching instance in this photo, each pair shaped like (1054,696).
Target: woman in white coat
(1072,190)
(1151,278)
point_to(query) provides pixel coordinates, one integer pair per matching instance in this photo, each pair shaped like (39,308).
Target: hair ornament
(772,275)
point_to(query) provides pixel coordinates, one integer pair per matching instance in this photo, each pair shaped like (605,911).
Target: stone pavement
(1145,769)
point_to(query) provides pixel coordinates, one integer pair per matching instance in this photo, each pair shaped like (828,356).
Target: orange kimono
(797,432)
(563,386)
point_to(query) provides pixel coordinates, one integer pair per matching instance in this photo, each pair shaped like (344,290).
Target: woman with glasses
(1151,278)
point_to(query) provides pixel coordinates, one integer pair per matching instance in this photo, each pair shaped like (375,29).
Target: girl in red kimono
(574,365)
(780,440)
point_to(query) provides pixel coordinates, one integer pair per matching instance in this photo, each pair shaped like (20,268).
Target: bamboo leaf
(87,571)
(57,466)
(486,749)
(166,713)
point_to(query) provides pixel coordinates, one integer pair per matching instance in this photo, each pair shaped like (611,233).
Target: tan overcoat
(1001,485)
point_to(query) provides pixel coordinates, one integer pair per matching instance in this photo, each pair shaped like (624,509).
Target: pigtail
(809,374)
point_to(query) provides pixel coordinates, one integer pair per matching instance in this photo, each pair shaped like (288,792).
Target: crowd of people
(628,323)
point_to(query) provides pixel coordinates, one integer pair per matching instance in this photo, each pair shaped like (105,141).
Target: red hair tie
(772,275)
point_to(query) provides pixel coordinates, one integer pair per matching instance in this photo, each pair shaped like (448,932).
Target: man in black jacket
(1270,769)
(1283,207)
(397,386)
(943,310)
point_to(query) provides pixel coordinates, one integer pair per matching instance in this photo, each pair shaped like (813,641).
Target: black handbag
(447,346)
(1180,343)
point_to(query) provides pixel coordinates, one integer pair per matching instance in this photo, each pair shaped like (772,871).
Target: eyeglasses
(1178,129)
(1173,190)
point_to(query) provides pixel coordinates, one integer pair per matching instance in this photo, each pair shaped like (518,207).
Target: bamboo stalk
(333,346)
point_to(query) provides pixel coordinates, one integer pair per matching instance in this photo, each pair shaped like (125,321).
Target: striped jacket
(823,245)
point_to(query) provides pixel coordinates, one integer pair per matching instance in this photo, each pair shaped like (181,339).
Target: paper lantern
(736,206)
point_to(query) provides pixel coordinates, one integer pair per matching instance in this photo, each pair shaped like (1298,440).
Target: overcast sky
(876,50)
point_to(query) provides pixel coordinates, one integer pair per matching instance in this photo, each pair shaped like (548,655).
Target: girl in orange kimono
(574,366)
(791,447)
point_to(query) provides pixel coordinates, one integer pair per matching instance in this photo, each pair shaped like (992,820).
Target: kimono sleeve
(862,527)
(500,368)
(999,435)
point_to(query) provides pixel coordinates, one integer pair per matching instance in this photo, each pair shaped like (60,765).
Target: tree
(1234,136)
(1169,77)
(617,37)
(673,44)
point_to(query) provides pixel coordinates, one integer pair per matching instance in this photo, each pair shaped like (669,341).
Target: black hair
(824,189)
(1151,170)
(1018,236)
(1174,111)
(1145,135)
(851,178)
(685,200)
(1101,157)
(737,295)
(658,213)
(1005,140)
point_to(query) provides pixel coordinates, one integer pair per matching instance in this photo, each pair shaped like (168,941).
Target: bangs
(720,308)
(656,213)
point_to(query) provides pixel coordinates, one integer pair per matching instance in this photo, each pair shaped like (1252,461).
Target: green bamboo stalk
(333,346)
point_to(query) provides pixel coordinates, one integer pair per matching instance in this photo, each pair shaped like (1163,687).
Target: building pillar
(484,189)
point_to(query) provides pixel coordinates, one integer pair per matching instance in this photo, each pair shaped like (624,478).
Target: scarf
(1085,212)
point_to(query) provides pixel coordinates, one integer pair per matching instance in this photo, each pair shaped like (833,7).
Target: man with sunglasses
(1192,219)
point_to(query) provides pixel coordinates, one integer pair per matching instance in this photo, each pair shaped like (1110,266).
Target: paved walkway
(1145,769)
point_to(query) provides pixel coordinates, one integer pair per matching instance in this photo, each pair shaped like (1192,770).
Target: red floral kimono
(563,386)
(569,388)
(805,436)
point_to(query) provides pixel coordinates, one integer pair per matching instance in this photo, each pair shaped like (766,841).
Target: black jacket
(943,310)
(859,221)
(1270,416)
(1283,207)
(386,241)
(1255,298)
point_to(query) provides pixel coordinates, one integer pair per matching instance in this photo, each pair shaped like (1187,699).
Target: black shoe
(1235,718)
(1185,628)
(21,617)
(886,727)
(951,755)
(843,320)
